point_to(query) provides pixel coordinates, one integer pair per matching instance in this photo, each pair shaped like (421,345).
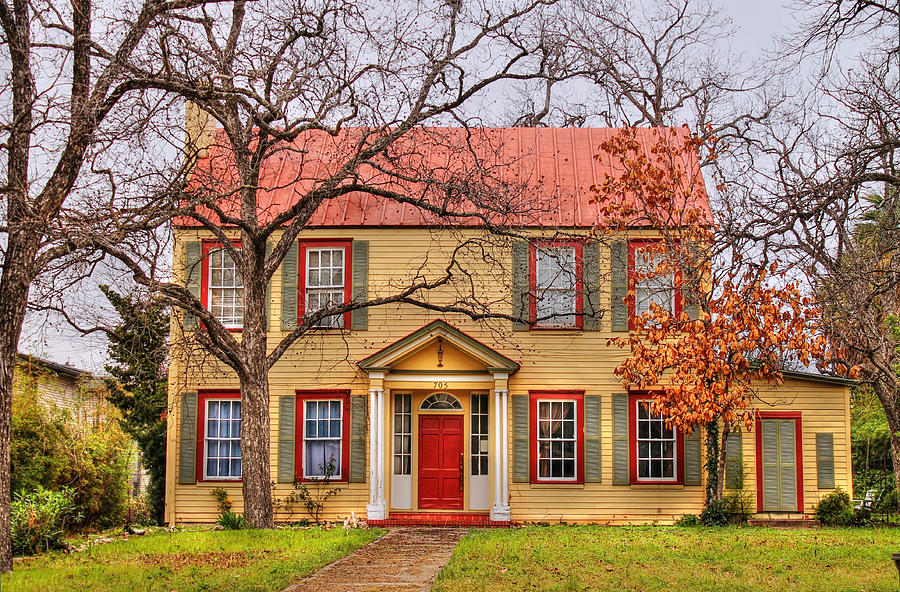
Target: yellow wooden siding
(557,359)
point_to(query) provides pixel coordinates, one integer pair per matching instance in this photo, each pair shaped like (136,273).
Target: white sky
(758,23)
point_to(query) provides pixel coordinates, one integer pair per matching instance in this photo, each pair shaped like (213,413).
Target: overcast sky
(758,23)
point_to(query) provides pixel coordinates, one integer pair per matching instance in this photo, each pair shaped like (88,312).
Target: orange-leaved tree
(707,326)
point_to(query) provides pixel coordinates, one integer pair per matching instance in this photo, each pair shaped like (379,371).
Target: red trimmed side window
(555,284)
(221,286)
(557,436)
(322,435)
(219,436)
(643,291)
(657,452)
(325,278)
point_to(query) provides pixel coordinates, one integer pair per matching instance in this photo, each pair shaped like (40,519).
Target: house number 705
(441,385)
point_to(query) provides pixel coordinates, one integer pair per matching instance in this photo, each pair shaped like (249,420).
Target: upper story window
(223,287)
(325,279)
(652,283)
(556,284)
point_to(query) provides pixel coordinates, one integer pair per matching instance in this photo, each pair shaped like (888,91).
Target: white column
(376,509)
(500,507)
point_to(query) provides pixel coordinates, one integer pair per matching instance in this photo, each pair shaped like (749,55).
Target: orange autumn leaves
(704,365)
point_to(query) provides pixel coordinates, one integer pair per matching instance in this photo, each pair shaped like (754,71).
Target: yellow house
(428,417)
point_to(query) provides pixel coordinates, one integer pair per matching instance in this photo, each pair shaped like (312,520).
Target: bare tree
(338,92)
(69,101)
(824,166)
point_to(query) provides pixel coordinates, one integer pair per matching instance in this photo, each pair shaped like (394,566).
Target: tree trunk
(723,451)
(255,419)
(712,462)
(14,286)
(890,402)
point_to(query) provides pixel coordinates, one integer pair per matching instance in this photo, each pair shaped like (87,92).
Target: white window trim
(637,440)
(556,321)
(210,287)
(206,476)
(394,452)
(472,433)
(337,476)
(537,435)
(338,322)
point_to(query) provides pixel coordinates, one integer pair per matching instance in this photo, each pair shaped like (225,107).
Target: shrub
(51,451)
(739,505)
(835,509)
(715,514)
(138,512)
(312,496)
(40,519)
(230,521)
(688,520)
(890,503)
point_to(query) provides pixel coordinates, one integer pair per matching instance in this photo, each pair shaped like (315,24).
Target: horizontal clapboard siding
(549,360)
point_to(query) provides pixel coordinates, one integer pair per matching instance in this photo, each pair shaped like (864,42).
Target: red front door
(440,462)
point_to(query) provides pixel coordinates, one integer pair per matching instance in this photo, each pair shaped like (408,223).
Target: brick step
(785,522)
(438,519)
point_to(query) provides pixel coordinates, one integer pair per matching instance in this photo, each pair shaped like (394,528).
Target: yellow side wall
(550,359)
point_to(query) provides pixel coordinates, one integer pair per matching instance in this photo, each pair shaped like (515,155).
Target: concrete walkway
(403,560)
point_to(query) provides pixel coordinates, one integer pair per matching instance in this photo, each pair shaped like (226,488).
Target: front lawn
(193,560)
(574,558)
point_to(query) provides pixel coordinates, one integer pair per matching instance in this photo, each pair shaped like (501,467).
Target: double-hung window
(657,446)
(657,450)
(224,287)
(221,437)
(652,282)
(323,435)
(403,434)
(557,437)
(556,284)
(325,279)
(323,439)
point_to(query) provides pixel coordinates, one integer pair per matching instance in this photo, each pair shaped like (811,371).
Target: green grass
(575,558)
(195,560)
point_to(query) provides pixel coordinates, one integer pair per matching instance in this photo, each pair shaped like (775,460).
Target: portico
(438,425)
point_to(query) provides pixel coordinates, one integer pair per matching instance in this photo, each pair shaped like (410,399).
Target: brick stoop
(448,519)
(785,522)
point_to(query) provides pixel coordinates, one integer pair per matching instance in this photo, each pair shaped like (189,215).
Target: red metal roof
(540,177)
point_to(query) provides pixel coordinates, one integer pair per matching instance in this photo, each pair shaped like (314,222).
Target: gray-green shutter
(788,465)
(521,305)
(359,318)
(287,429)
(268,288)
(621,474)
(593,312)
(193,254)
(289,288)
(520,433)
(771,485)
(825,460)
(358,439)
(692,458)
(187,453)
(734,461)
(619,276)
(592,439)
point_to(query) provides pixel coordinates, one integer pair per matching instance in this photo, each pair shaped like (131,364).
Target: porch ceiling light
(440,352)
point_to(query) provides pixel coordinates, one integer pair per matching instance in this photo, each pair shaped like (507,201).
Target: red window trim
(202,398)
(632,281)
(299,427)
(798,435)
(579,283)
(206,246)
(633,398)
(306,243)
(556,395)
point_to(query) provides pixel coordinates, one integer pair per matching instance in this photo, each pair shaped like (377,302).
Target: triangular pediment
(418,352)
